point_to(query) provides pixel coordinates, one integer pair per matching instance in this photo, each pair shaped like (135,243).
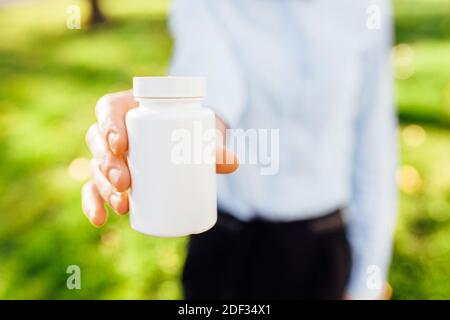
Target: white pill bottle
(171,157)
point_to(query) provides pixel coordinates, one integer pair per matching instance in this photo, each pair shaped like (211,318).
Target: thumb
(226,160)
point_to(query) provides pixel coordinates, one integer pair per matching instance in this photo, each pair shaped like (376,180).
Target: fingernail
(114,176)
(115,199)
(113,139)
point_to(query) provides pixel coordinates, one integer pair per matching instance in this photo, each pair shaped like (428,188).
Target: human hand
(108,142)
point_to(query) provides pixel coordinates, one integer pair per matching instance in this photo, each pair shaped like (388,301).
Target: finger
(93,204)
(117,200)
(112,166)
(226,160)
(111,111)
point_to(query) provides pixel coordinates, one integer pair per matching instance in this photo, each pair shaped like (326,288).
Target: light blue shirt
(317,70)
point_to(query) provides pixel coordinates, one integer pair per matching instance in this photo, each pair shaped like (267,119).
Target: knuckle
(90,134)
(85,188)
(107,162)
(103,110)
(94,168)
(107,101)
(100,103)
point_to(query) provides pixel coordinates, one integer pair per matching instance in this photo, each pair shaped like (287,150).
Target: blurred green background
(50,79)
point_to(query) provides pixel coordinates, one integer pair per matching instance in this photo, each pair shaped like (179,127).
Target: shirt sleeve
(202,49)
(372,212)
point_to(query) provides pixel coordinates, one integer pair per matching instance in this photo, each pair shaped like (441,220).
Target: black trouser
(308,259)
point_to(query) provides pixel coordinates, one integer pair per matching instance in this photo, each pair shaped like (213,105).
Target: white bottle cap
(169,87)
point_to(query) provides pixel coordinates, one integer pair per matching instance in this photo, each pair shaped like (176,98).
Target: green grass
(421,265)
(50,79)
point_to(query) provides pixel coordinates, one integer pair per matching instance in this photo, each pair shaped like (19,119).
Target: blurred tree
(97,16)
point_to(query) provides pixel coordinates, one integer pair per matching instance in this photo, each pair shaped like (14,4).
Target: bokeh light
(414,135)
(408,179)
(403,61)
(79,169)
